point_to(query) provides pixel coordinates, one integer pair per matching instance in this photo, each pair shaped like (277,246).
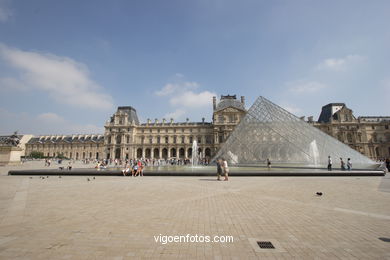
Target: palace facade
(125,137)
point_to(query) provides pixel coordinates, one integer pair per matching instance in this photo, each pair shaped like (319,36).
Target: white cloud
(62,78)
(5,12)
(190,99)
(339,63)
(45,123)
(301,86)
(183,98)
(8,83)
(50,118)
(175,114)
(172,88)
(64,126)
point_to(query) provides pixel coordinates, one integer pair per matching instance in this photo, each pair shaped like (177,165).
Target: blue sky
(66,65)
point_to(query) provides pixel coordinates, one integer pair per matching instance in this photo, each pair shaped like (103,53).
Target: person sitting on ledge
(135,170)
(126,170)
(69,166)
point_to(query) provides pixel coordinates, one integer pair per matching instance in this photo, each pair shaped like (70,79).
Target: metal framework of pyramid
(269,131)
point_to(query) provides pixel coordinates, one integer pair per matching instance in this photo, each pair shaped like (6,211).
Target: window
(199,139)
(221,119)
(386,126)
(372,127)
(128,139)
(191,140)
(349,138)
(231,118)
(182,139)
(150,140)
(174,139)
(220,139)
(158,139)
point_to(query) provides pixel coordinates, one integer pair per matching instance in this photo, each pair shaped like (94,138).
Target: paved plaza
(118,218)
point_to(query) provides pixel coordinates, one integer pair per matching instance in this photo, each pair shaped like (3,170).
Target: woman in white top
(225,169)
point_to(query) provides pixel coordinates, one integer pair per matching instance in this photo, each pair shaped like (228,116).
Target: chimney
(171,120)
(214,102)
(156,121)
(203,120)
(187,120)
(148,121)
(243,100)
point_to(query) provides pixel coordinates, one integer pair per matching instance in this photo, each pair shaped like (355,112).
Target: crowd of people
(136,166)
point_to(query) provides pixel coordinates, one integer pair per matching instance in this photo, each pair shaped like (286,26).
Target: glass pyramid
(269,131)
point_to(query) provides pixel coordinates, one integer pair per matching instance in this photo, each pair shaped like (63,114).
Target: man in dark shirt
(219,169)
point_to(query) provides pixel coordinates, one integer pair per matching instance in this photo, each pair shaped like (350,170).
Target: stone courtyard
(118,217)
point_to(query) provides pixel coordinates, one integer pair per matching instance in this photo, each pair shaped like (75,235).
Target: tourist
(349,164)
(329,163)
(388,164)
(268,163)
(140,168)
(135,171)
(126,170)
(219,169)
(342,164)
(69,166)
(225,169)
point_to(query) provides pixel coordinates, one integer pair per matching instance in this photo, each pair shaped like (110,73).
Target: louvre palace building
(125,137)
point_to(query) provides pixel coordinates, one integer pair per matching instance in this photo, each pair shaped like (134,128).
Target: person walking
(387,164)
(225,169)
(219,169)
(329,163)
(342,164)
(349,164)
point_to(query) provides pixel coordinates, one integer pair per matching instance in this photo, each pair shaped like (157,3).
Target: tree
(36,155)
